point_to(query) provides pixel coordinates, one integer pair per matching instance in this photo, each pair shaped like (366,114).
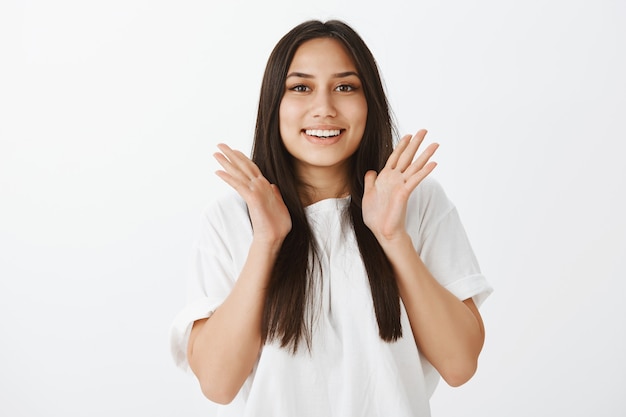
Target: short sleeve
(215,262)
(443,244)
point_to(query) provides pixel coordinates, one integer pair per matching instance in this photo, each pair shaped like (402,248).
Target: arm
(448,331)
(223,349)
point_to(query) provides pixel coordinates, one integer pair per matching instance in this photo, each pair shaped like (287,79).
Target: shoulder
(226,212)
(429,198)
(230,202)
(427,207)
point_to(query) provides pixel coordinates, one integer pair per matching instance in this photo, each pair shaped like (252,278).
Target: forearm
(224,348)
(448,331)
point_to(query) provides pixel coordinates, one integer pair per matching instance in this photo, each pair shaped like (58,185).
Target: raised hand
(386,193)
(270,218)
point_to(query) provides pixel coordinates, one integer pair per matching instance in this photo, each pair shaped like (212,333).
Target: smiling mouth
(323,133)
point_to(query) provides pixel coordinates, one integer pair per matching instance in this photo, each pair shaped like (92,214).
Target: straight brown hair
(288,313)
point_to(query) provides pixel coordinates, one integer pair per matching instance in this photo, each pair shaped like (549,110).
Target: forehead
(322,55)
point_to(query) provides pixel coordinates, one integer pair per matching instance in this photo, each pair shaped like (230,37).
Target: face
(323,112)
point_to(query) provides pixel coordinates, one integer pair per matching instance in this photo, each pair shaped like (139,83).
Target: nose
(323,104)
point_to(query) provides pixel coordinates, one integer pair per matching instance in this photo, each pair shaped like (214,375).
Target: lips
(325,137)
(323,133)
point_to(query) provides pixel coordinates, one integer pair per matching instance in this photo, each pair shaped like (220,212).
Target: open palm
(269,216)
(386,194)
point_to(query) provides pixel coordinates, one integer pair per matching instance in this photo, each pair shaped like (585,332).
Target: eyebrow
(337,75)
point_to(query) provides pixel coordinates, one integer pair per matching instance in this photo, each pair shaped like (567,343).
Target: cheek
(364,115)
(285,114)
(360,114)
(288,124)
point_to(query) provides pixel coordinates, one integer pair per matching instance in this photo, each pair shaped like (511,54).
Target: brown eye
(300,88)
(345,88)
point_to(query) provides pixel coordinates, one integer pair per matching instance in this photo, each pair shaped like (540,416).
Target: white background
(110,112)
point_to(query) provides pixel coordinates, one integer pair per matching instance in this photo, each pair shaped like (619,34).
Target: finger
(415,179)
(276,192)
(237,184)
(232,174)
(224,161)
(409,153)
(249,189)
(392,161)
(422,159)
(369,180)
(233,170)
(239,160)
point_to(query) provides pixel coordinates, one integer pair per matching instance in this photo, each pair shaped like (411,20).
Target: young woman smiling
(337,279)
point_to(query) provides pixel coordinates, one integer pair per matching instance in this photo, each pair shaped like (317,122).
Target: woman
(336,280)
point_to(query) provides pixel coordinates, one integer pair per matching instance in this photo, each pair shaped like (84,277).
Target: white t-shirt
(350,370)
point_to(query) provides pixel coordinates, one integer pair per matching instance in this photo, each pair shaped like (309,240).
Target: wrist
(270,245)
(395,243)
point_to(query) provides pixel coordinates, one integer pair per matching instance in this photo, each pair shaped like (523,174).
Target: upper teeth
(323,133)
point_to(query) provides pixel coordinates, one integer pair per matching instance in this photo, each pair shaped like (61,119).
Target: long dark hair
(287,315)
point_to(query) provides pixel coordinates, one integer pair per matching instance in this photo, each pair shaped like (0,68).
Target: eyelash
(343,88)
(346,88)
(300,88)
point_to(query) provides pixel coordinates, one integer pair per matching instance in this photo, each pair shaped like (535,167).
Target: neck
(321,183)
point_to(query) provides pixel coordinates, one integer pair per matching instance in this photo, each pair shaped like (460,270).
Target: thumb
(276,191)
(369,180)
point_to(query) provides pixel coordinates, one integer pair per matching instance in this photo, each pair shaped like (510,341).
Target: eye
(300,88)
(345,88)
